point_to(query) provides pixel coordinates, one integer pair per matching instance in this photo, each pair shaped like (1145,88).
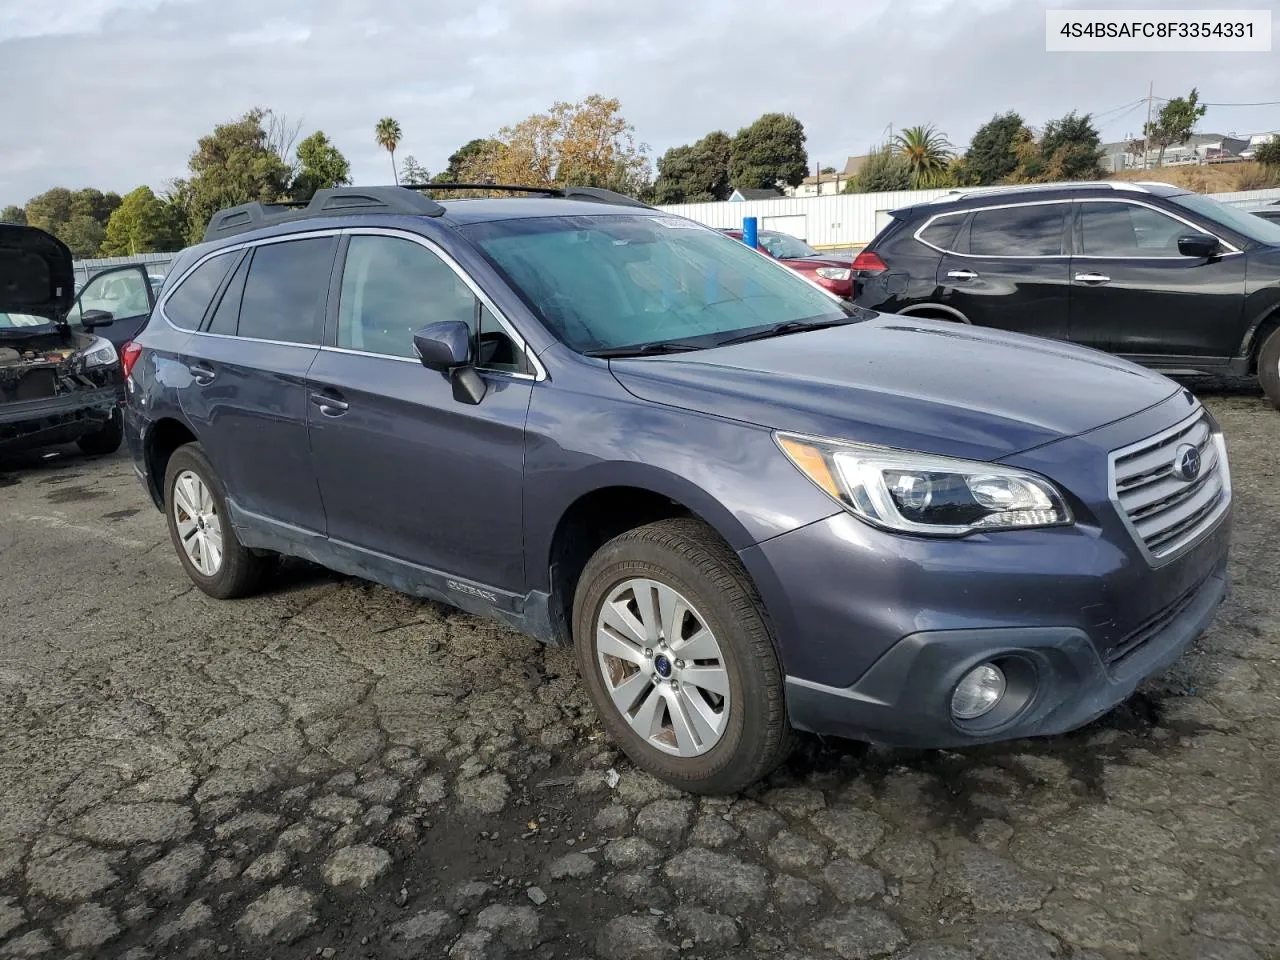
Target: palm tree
(387,134)
(927,152)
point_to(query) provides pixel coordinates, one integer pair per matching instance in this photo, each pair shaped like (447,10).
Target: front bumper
(63,419)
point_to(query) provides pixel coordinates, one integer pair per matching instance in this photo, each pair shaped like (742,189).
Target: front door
(125,293)
(1007,268)
(405,469)
(1133,293)
(247,393)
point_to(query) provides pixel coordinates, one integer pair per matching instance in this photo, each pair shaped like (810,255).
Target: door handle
(330,406)
(1096,279)
(962,275)
(201,373)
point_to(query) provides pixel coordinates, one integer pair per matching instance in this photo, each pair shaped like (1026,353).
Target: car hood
(36,273)
(926,385)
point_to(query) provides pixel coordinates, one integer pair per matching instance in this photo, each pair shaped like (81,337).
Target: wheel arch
(160,440)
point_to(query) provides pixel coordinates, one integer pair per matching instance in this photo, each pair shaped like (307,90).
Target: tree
(1175,123)
(83,235)
(320,165)
(991,157)
(13,214)
(885,169)
(235,164)
(143,223)
(412,172)
(926,152)
(76,217)
(1267,154)
(587,143)
(462,158)
(697,173)
(387,134)
(1068,149)
(768,153)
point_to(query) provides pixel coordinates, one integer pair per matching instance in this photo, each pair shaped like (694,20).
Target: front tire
(675,651)
(1269,367)
(104,441)
(196,509)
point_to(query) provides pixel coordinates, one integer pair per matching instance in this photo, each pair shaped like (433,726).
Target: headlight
(100,353)
(920,493)
(834,273)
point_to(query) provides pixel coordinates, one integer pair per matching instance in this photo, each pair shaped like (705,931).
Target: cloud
(114,93)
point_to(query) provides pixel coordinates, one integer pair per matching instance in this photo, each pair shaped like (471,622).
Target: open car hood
(36,274)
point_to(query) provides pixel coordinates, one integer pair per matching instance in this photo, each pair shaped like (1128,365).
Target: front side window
(284,293)
(121,293)
(1255,228)
(1128,230)
(187,304)
(613,280)
(1029,230)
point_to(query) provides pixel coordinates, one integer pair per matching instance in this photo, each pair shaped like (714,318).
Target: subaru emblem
(1186,462)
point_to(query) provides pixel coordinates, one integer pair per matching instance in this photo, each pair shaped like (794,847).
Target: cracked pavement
(331,769)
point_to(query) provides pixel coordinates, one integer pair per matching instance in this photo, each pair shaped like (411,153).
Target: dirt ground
(333,770)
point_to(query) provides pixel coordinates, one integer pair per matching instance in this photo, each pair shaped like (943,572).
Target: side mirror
(1198,245)
(92,319)
(446,346)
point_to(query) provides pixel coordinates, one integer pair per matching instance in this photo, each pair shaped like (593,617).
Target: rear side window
(284,293)
(1032,230)
(187,304)
(942,232)
(228,312)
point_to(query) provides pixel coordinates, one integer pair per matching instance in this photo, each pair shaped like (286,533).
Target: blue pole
(749,232)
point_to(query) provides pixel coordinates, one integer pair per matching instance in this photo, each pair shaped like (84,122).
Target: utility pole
(1146,131)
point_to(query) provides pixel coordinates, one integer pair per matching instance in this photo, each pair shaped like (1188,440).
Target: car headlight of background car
(925,494)
(834,273)
(99,353)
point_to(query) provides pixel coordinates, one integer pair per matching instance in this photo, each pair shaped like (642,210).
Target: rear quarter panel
(912,273)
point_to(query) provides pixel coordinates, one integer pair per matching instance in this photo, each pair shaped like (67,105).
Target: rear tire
(1269,367)
(104,441)
(195,506)
(694,738)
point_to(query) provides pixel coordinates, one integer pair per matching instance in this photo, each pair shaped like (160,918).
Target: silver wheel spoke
(671,609)
(185,529)
(687,742)
(707,722)
(213,553)
(701,646)
(619,617)
(712,679)
(627,693)
(609,644)
(647,720)
(643,591)
(198,524)
(182,499)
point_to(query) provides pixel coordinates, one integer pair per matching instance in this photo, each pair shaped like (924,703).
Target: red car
(832,273)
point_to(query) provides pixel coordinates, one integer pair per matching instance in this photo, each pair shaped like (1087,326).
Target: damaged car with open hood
(59,383)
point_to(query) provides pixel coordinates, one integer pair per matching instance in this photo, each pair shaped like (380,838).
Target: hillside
(1209,178)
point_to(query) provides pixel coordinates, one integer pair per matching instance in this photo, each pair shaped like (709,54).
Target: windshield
(786,247)
(600,282)
(12,321)
(1246,224)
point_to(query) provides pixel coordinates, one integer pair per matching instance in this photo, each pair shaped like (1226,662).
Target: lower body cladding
(925,643)
(31,424)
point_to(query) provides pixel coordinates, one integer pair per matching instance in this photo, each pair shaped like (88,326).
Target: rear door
(1008,268)
(246,395)
(124,292)
(1133,293)
(405,469)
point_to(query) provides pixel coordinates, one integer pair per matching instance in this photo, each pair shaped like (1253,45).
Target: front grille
(1150,628)
(1165,511)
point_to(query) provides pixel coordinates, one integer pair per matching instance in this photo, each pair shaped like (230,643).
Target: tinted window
(614,280)
(1025,231)
(1255,228)
(942,232)
(284,293)
(1128,230)
(228,312)
(186,306)
(392,288)
(494,347)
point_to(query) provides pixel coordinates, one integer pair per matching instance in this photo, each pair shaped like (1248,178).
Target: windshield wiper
(644,349)
(781,329)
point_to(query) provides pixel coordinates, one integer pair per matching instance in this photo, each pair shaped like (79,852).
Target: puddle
(75,495)
(121,514)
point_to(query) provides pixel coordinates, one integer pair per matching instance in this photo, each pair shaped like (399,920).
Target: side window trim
(221,292)
(966,230)
(482,299)
(1077,235)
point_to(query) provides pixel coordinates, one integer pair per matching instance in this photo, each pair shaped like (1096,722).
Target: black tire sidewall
(107,440)
(723,768)
(1269,367)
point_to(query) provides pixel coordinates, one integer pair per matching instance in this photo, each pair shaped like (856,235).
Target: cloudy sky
(115,93)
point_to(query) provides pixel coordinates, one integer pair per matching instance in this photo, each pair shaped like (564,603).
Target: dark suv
(751,506)
(1170,279)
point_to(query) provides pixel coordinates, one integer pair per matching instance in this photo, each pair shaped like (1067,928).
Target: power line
(1263,103)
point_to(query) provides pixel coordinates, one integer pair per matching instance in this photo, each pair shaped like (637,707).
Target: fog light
(978,692)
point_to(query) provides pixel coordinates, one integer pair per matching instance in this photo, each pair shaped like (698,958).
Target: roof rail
(406,200)
(333,202)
